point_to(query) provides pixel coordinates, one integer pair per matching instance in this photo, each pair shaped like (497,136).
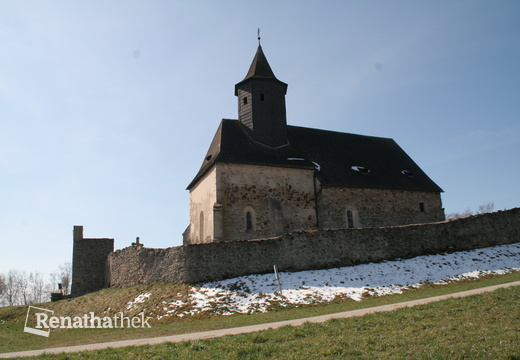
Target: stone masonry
(311,249)
(282,200)
(89,263)
(378,207)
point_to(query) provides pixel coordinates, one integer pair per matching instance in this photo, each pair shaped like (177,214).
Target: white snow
(256,293)
(141,298)
(360,168)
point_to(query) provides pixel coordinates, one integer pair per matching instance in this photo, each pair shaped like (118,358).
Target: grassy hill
(111,301)
(478,327)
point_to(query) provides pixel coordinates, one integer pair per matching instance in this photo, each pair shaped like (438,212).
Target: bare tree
(18,287)
(12,288)
(486,208)
(22,282)
(65,277)
(2,288)
(463,214)
(37,287)
(53,282)
(482,209)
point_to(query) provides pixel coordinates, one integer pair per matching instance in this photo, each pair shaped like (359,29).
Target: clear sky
(107,107)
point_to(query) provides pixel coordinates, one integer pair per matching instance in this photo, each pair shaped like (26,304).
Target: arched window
(201,227)
(249,221)
(350,219)
(275,207)
(249,218)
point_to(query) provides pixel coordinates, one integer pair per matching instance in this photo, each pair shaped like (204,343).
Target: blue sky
(107,107)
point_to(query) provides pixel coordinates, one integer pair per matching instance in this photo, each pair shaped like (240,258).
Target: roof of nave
(338,159)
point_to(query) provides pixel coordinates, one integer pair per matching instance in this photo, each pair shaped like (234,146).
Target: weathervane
(258,34)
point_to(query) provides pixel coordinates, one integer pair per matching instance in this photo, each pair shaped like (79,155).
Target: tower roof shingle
(259,69)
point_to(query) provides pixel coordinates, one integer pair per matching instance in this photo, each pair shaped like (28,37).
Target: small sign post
(277,277)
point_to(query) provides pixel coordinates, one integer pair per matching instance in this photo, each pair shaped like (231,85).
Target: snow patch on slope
(258,293)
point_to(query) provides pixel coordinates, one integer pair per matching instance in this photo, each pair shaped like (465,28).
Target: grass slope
(478,327)
(110,301)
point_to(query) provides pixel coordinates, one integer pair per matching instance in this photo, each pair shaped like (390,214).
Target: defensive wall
(306,250)
(89,260)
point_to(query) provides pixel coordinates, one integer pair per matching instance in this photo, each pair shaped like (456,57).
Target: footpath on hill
(253,328)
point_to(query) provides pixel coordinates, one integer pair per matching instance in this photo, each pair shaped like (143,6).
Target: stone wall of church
(377,207)
(306,250)
(278,199)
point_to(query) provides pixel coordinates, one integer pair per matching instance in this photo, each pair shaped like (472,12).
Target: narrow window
(201,226)
(421,207)
(261,97)
(245,100)
(350,219)
(275,207)
(249,221)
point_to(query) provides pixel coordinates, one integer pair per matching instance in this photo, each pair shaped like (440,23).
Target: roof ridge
(338,132)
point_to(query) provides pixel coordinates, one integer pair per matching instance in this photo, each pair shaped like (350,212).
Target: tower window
(245,100)
(262,97)
(421,207)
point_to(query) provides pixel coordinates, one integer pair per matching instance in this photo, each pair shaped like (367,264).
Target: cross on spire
(258,34)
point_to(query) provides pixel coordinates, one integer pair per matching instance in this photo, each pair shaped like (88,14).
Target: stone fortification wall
(305,250)
(139,265)
(89,263)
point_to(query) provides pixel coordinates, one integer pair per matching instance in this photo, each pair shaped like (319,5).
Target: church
(262,178)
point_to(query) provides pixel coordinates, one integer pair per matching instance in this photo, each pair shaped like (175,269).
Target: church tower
(261,103)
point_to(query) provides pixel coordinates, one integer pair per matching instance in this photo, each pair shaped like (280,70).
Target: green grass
(12,337)
(483,326)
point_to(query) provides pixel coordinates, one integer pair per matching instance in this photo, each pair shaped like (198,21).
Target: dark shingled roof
(259,69)
(380,162)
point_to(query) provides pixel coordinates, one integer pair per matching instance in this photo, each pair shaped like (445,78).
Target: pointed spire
(260,67)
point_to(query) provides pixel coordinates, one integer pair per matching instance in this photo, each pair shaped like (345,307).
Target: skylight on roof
(408,173)
(361,169)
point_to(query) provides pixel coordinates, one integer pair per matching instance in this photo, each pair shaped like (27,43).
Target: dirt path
(253,328)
